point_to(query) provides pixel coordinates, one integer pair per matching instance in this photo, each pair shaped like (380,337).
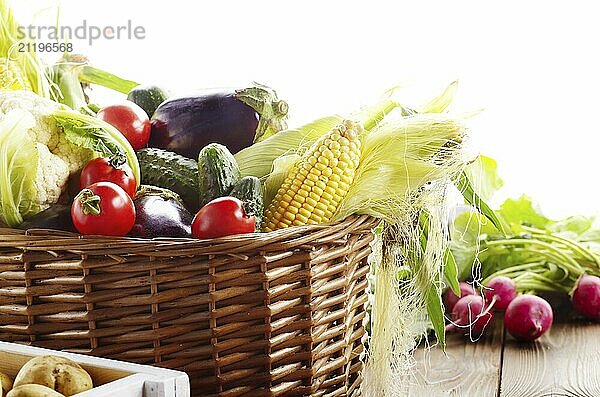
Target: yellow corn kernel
(327,196)
(321,206)
(319,213)
(312,177)
(320,166)
(302,219)
(314,188)
(311,202)
(321,184)
(302,193)
(308,183)
(304,212)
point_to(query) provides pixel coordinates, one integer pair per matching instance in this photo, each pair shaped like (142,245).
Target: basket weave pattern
(278,314)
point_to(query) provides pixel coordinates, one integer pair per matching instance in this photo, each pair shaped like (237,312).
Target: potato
(6,383)
(57,373)
(33,391)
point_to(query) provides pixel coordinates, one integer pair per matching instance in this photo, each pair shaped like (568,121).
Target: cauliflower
(42,144)
(51,177)
(46,130)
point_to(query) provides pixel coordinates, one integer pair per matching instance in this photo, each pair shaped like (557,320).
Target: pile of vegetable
(511,265)
(100,153)
(218,163)
(47,376)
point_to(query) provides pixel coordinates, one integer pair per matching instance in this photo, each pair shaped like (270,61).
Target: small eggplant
(235,119)
(160,213)
(57,217)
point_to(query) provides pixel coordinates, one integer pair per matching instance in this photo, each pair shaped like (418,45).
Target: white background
(533,66)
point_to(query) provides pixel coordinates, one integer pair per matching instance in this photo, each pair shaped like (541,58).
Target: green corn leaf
(432,293)
(435,311)
(92,75)
(466,188)
(441,102)
(451,272)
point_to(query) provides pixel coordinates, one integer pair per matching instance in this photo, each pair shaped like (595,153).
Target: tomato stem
(90,203)
(117,160)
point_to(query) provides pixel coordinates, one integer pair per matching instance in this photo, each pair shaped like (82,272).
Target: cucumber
(171,171)
(148,97)
(218,172)
(249,191)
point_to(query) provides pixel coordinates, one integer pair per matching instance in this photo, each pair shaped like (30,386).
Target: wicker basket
(278,314)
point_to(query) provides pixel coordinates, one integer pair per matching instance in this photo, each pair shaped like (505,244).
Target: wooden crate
(113,378)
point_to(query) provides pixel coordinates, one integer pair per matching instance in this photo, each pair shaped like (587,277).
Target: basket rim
(46,239)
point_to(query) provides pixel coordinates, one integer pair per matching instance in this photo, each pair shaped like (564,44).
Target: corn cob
(314,188)
(12,77)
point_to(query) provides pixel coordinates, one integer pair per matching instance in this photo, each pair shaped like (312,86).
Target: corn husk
(405,172)
(399,158)
(281,168)
(257,160)
(25,63)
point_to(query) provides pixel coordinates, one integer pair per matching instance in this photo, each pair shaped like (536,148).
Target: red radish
(586,297)
(450,297)
(470,316)
(503,289)
(528,317)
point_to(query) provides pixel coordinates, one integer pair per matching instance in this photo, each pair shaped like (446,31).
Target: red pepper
(222,217)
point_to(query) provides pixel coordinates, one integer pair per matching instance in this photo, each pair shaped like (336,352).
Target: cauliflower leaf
(18,167)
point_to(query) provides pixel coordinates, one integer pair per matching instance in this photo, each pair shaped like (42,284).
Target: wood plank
(564,362)
(467,370)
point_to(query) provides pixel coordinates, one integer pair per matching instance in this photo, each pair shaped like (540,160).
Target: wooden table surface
(563,362)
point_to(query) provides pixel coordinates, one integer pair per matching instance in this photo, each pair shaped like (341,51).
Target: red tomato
(222,217)
(109,170)
(131,120)
(103,208)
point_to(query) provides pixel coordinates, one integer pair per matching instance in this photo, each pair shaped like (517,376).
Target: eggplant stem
(271,110)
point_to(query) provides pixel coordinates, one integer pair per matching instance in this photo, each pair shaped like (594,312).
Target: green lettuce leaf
(522,212)
(483,174)
(576,225)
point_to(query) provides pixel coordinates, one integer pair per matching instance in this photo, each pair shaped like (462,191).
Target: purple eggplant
(160,213)
(234,118)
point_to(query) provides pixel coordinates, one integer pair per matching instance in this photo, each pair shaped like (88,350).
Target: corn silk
(409,160)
